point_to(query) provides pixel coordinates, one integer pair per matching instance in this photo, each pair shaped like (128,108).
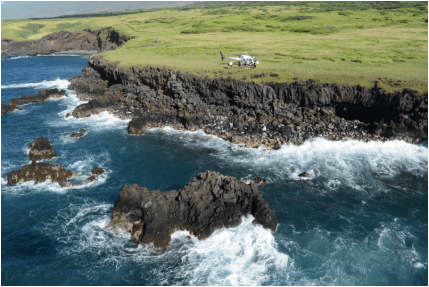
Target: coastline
(248,113)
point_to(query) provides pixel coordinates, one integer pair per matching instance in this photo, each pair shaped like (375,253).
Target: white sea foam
(85,210)
(244,255)
(58,83)
(104,120)
(16,58)
(419,265)
(335,163)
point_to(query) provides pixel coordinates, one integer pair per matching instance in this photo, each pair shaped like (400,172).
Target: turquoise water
(361,218)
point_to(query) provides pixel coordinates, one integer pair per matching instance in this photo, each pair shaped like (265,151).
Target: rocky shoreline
(269,114)
(41,96)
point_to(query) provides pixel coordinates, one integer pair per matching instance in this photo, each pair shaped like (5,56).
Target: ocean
(360,218)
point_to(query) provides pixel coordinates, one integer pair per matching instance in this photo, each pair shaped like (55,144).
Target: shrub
(62,26)
(32,27)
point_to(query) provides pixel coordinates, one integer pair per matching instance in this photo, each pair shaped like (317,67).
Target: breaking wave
(58,83)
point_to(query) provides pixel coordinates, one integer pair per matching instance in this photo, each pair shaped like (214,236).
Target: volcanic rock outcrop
(40,172)
(41,149)
(78,134)
(8,108)
(211,201)
(95,172)
(41,96)
(252,114)
(86,40)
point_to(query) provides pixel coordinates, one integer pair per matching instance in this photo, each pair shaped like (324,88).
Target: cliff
(271,114)
(86,40)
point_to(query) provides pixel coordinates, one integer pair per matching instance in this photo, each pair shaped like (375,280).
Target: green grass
(343,42)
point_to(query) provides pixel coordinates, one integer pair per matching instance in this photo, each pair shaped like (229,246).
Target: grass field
(297,41)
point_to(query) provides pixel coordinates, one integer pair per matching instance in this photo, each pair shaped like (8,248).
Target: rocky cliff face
(211,201)
(86,40)
(253,114)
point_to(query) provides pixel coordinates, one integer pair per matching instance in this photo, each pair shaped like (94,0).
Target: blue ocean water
(361,218)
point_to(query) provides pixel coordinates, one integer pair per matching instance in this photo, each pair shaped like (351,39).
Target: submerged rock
(211,201)
(42,95)
(41,149)
(40,172)
(78,134)
(90,179)
(211,151)
(259,180)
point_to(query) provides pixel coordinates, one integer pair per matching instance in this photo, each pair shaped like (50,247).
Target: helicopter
(243,60)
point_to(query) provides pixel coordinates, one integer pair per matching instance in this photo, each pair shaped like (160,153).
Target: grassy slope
(358,47)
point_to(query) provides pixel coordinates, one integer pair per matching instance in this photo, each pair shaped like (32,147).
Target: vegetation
(64,26)
(344,42)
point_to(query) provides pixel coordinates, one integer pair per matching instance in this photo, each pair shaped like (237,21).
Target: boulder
(97,171)
(94,107)
(303,174)
(138,125)
(41,149)
(210,202)
(40,172)
(90,179)
(77,134)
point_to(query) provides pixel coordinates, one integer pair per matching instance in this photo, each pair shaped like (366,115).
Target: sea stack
(207,203)
(41,149)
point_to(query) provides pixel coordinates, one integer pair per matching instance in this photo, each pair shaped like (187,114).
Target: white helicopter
(243,60)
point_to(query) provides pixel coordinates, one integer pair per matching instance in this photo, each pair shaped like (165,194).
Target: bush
(245,28)
(62,26)
(32,27)
(294,18)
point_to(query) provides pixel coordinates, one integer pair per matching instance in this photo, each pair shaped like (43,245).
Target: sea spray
(58,83)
